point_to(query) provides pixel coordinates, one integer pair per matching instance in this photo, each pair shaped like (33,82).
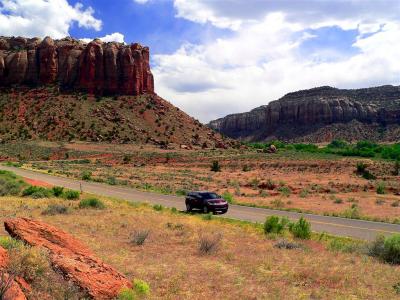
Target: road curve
(359,229)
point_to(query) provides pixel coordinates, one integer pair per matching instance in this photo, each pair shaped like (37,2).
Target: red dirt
(37,182)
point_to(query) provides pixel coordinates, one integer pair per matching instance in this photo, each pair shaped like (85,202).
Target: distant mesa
(96,68)
(319,115)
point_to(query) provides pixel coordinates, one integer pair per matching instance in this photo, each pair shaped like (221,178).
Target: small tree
(215,167)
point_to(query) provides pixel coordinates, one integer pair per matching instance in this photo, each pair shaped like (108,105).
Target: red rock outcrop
(68,255)
(14,292)
(97,68)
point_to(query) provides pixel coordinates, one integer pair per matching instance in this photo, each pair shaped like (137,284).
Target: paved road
(338,226)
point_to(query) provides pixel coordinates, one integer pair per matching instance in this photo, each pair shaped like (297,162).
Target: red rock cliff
(97,67)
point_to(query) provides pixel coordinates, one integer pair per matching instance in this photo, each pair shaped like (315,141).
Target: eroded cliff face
(97,67)
(301,113)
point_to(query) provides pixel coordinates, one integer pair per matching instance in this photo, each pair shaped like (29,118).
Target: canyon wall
(305,111)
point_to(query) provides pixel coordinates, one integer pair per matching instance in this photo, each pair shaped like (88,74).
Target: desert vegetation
(298,180)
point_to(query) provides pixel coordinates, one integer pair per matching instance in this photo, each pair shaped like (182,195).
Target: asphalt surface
(359,229)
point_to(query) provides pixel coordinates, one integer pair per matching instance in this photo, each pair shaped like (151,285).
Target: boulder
(70,257)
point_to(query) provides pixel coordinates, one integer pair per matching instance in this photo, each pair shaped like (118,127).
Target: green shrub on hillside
(92,203)
(386,248)
(57,191)
(10,184)
(86,175)
(215,167)
(37,192)
(274,224)
(301,229)
(381,188)
(71,195)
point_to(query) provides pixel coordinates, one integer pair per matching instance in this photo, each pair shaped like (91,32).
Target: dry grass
(246,265)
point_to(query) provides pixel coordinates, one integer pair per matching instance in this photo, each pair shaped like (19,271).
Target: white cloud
(233,13)
(141,1)
(262,62)
(114,37)
(39,18)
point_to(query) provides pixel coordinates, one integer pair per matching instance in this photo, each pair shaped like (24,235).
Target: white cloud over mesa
(261,61)
(40,18)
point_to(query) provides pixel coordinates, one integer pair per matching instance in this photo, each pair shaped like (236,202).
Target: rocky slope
(97,67)
(320,114)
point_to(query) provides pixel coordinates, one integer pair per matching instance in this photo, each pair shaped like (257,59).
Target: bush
(209,243)
(344,245)
(29,263)
(352,213)
(86,175)
(386,248)
(361,169)
(391,252)
(285,191)
(57,191)
(228,197)
(37,192)
(274,224)
(215,167)
(9,243)
(301,229)
(10,184)
(158,207)
(56,209)
(381,188)
(71,195)
(246,168)
(397,288)
(126,294)
(91,203)
(340,144)
(112,180)
(139,237)
(141,287)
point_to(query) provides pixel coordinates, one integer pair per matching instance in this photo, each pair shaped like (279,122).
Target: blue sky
(153,24)
(215,57)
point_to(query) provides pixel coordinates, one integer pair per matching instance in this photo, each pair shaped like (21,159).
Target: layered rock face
(303,112)
(97,68)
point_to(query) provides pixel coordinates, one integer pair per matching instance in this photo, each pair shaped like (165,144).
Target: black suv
(206,201)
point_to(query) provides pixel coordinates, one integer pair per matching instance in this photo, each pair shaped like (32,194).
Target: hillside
(320,115)
(46,114)
(66,90)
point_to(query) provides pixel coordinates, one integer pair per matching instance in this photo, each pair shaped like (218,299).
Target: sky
(216,57)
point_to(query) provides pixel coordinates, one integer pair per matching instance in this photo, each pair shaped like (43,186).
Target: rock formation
(69,256)
(97,68)
(304,113)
